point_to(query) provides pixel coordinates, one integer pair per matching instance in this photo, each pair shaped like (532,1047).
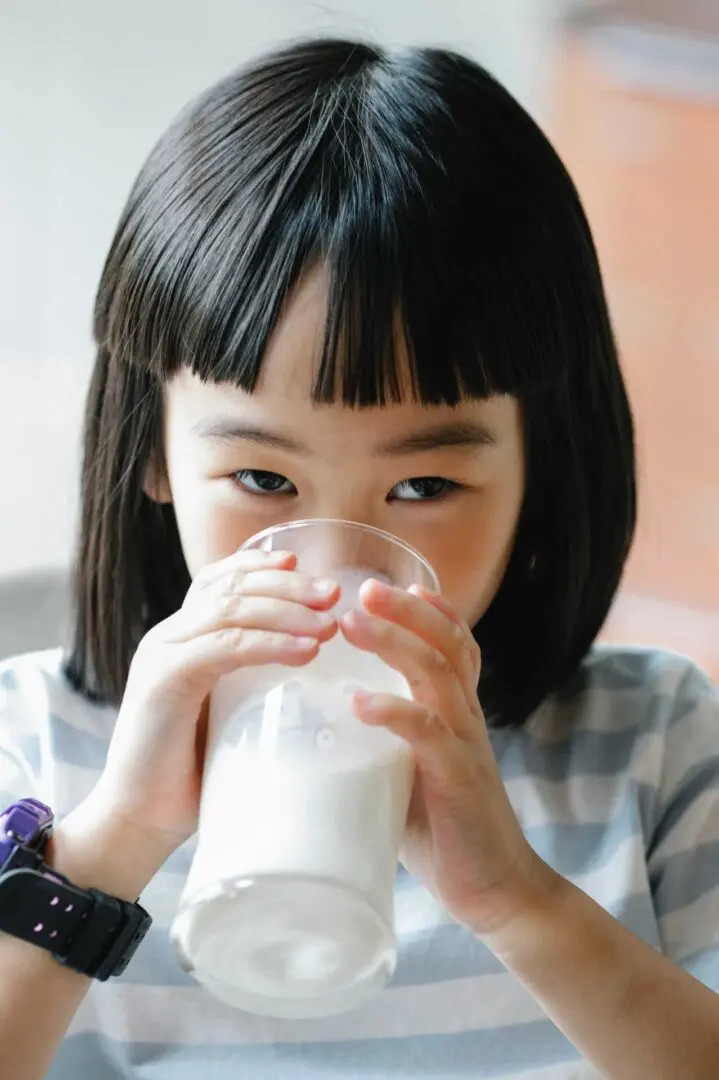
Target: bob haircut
(437,207)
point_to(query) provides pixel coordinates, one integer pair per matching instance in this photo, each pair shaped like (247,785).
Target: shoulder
(643,671)
(19,668)
(33,678)
(53,741)
(632,718)
(636,688)
(29,680)
(35,693)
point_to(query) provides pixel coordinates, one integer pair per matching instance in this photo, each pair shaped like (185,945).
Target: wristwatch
(84,929)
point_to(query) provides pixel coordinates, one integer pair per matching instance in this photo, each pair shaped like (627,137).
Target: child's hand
(463,838)
(250,609)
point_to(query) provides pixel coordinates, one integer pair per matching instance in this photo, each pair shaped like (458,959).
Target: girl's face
(448,480)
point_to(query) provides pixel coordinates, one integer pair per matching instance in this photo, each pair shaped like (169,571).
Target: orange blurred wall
(638,127)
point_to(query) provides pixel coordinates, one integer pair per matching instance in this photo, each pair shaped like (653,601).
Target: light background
(627,89)
(86,87)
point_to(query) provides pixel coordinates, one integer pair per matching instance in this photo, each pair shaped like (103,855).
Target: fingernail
(323,586)
(370,701)
(364,699)
(377,584)
(304,643)
(356,615)
(279,556)
(325,618)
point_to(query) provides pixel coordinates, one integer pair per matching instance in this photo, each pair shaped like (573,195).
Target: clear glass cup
(288,909)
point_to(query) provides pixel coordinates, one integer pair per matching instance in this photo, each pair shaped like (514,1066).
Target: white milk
(321,816)
(288,907)
(317,849)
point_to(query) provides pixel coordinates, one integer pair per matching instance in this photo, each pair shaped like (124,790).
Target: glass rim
(350,526)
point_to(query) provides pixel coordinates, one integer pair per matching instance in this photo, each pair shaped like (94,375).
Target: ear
(157,485)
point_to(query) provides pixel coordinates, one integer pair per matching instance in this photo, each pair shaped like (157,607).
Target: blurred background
(629,93)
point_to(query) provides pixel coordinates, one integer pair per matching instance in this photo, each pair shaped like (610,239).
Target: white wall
(86,86)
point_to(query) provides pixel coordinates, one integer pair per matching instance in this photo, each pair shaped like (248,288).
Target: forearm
(38,996)
(631,1012)
(38,999)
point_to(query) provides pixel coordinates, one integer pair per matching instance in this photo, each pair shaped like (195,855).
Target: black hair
(435,204)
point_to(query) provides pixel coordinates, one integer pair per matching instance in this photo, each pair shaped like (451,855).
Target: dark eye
(260,482)
(422,489)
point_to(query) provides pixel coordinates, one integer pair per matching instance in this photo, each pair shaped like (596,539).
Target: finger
(442,632)
(423,728)
(408,719)
(226,650)
(438,601)
(443,605)
(204,659)
(243,562)
(227,612)
(432,679)
(273,583)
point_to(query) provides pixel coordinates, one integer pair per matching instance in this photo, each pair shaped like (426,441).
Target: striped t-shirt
(616,784)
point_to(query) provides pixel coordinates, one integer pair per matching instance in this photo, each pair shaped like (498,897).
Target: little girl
(358,284)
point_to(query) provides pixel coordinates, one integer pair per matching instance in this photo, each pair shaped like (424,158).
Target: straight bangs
(421,282)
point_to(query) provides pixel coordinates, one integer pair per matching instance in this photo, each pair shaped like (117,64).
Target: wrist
(94,848)
(537,907)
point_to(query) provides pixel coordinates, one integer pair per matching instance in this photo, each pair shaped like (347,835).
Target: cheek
(471,576)
(211,522)
(213,518)
(472,561)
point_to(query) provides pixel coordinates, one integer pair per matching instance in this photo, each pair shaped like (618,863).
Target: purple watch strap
(25,828)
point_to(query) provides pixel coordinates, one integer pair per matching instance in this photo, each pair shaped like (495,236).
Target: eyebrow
(464,433)
(467,433)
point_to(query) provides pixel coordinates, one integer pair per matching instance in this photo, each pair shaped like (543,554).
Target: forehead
(333,431)
(291,361)
(289,367)
(284,392)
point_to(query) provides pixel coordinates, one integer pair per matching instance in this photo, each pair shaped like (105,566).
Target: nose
(336,546)
(346,509)
(325,545)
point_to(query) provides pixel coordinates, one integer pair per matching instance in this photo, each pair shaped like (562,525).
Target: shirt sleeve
(683,856)
(19,740)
